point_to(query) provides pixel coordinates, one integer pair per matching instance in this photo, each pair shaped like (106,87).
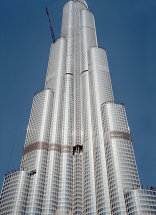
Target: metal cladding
(35,152)
(66,159)
(100,91)
(88,36)
(55,80)
(88,39)
(77,133)
(56,66)
(40,118)
(141,200)
(120,160)
(99,76)
(78,156)
(15,193)
(89,193)
(65,193)
(68,18)
(56,72)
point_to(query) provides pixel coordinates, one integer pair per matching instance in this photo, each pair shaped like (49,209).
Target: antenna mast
(51,28)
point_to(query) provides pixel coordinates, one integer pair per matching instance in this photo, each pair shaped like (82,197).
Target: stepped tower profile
(78,157)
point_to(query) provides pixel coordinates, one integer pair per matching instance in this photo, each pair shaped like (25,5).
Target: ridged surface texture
(78,157)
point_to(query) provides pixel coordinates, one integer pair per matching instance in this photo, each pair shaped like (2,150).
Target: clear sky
(125,28)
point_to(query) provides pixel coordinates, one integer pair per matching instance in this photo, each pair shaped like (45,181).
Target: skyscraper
(78,156)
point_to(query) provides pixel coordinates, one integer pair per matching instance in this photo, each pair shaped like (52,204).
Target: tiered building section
(78,156)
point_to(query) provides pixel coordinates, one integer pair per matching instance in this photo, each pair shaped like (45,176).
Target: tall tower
(78,156)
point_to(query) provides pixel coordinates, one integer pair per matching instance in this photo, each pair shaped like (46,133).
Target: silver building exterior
(140,200)
(78,156)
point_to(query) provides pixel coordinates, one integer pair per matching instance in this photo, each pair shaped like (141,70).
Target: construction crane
(51,28)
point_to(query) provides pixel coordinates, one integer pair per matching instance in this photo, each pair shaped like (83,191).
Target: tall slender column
(101,91)
(55,80)
(66,163)
(89,194)
(88,39)
(77,180)
(77,72)
(77,132)
(35,152)
(121,164)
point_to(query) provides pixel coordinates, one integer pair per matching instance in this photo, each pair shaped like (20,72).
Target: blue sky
(125,28)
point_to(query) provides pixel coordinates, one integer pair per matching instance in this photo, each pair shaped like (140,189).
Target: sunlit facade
(78,157)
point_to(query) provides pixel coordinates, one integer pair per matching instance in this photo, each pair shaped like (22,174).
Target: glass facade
(140,200)
(14,194)
(78,157)
(77,180)
(100,91)
(121,165)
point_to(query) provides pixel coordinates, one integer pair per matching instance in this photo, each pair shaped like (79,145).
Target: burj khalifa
(78,156)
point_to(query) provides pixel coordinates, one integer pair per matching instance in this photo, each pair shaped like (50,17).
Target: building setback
(78,156)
